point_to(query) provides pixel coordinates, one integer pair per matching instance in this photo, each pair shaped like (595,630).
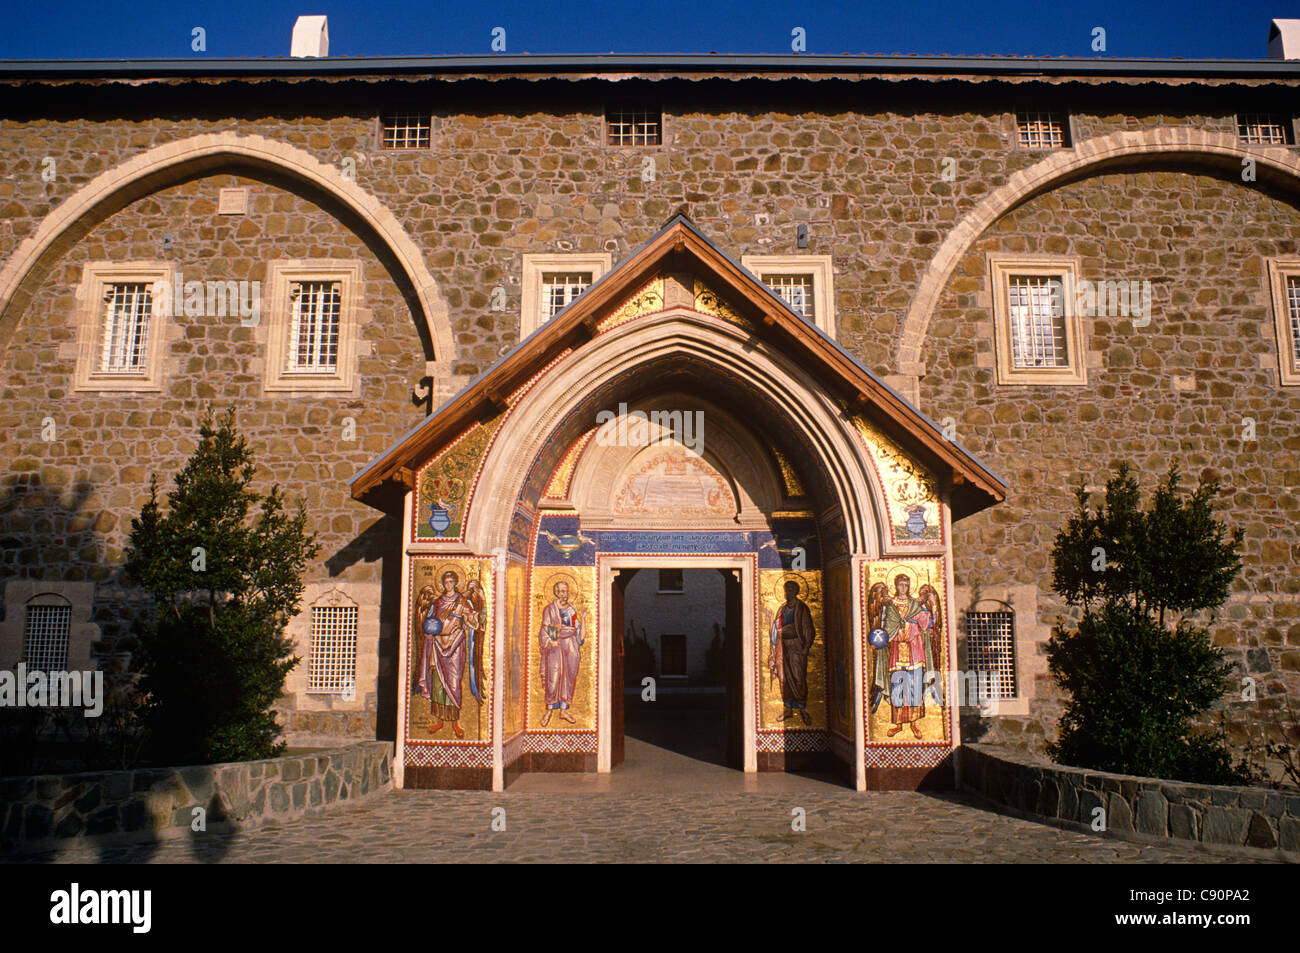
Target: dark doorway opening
(681,628)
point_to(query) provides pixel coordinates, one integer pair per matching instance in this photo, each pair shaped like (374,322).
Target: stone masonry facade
(517,167)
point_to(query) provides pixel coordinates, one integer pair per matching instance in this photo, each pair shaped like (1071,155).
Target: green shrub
(1135,687)
(214,657)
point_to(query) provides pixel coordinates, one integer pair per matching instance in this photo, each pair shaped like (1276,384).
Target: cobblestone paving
(842,826)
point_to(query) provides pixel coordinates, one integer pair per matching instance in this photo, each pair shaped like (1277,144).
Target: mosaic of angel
(452,625)
(906,636)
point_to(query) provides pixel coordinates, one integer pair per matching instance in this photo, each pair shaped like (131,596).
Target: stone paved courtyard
(658,806)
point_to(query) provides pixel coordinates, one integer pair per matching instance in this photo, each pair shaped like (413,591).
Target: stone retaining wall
(150,803)
(1143,809)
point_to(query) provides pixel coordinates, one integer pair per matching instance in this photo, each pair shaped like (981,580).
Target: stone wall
(149,803)
(519,167)
(1145,809)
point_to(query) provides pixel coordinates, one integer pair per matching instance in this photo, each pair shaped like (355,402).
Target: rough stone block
(1089,801)
(103,821)
(1260,833)
(279,798)
(1119,815)
(1225,825)
(1182,822)
(1288,834)
(1152,815)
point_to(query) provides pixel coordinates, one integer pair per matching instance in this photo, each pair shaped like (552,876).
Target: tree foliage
(1135,687)
(224,565)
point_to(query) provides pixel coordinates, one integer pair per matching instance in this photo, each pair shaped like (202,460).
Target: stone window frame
(366,597)
(1001,266)
(820,267)
(535,265)
(83,634)
(280,277)
(1068,129)
(89,316)
(1279,270)
(1030,633)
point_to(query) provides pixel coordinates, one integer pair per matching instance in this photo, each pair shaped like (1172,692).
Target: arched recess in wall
(165,165)
(1273,166)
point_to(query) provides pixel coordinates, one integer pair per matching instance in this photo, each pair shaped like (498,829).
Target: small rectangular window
(1264,129)
(626,126)
(332,661)
(560,289)
(405,131)
(314,342)
(1036,306)
(671,580)
(672,654)
(991,648)
(796,291)
(1042,130)
(126,328)
(45,638)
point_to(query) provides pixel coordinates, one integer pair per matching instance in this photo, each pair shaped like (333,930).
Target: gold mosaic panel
(771,596)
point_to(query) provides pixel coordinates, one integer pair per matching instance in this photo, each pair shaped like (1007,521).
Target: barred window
(314,341)
(332,660)
(1042,130)
(126,328)
(1264,129)
(45,637)
(1036,306)
(794,290)
(633,127)
(1293,314)
(405,131)
(560,288)
(991,648)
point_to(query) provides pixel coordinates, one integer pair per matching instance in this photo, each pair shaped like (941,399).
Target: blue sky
(75,29)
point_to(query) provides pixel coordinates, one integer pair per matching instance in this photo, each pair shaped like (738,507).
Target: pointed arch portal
(677,414)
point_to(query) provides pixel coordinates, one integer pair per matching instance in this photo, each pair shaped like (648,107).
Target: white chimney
(311,37)
(1284,40)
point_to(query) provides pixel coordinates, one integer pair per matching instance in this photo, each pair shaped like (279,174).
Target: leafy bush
(1135,686)
(214,657)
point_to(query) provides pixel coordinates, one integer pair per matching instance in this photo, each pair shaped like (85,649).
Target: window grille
(1041,130)
(333,657)
(1293,313)
(1037,310)
(633,127)
(405,131)
(671,580)
(314,346)
(126,328)
(45,638)
(796,291)
(672,652)
(991,648)
(559,290)
(1263,129)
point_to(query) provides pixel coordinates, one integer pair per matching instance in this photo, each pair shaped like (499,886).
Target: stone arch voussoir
(1089,156)
(169,161)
